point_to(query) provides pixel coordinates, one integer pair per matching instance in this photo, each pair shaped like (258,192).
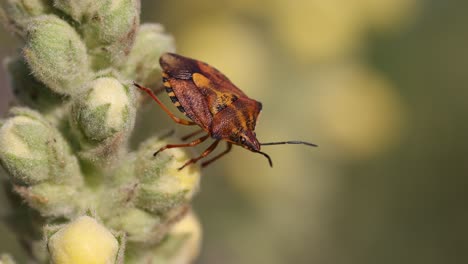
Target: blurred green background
(380,85)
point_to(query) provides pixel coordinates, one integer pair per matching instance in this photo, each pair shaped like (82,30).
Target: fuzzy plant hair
(77,192)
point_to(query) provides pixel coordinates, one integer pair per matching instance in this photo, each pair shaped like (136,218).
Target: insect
(212,102)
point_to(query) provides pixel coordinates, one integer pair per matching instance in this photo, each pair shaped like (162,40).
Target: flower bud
(18,13)
(107,108)
(183,242)
(78,9)
(162,185)
(117,207)
(103,117)
(51,199)
(142,63)
(56,54)
(28,90)
(110,32)
(33,151)
(117,211)
(140,226)
(83,241)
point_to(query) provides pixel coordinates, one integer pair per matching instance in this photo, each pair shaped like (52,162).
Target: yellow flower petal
(84,241)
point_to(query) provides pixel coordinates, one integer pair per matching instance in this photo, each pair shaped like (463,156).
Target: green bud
(83,241)
(102,118)
(18,13)
(6,259)
(183,242)
(181,245)
(33,151)
(162,186)
(110,32)
(142,63)
(107,108)
(52,200)
(56,54)
(28,90)
(118,211)
(78,9)
(139,225)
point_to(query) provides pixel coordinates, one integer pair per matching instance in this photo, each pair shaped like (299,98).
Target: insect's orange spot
(167,84)
(241,118)
(200,80)
(218,100)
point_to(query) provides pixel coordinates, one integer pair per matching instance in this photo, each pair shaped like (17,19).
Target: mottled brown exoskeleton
(211,101)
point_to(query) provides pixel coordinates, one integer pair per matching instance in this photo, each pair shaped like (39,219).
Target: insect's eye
(242,139)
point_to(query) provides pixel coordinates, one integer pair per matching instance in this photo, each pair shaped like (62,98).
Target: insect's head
(246,139)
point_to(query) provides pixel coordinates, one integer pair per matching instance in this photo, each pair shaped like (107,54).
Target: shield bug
(212,102)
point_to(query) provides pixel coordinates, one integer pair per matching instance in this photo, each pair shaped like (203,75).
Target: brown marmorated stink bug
(212,102)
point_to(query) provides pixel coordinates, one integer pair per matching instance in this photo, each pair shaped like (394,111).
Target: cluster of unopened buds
(79,192)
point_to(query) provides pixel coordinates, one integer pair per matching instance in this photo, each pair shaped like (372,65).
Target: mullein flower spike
(67,151)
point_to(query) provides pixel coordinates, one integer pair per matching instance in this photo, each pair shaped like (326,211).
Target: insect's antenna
(289,142)
(266,156)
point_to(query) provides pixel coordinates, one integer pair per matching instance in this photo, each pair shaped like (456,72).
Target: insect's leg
(190,144)
(168,112)
(191,134)
(228,148)
(204,154)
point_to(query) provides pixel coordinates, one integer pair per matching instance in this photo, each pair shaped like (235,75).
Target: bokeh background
(380,85)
